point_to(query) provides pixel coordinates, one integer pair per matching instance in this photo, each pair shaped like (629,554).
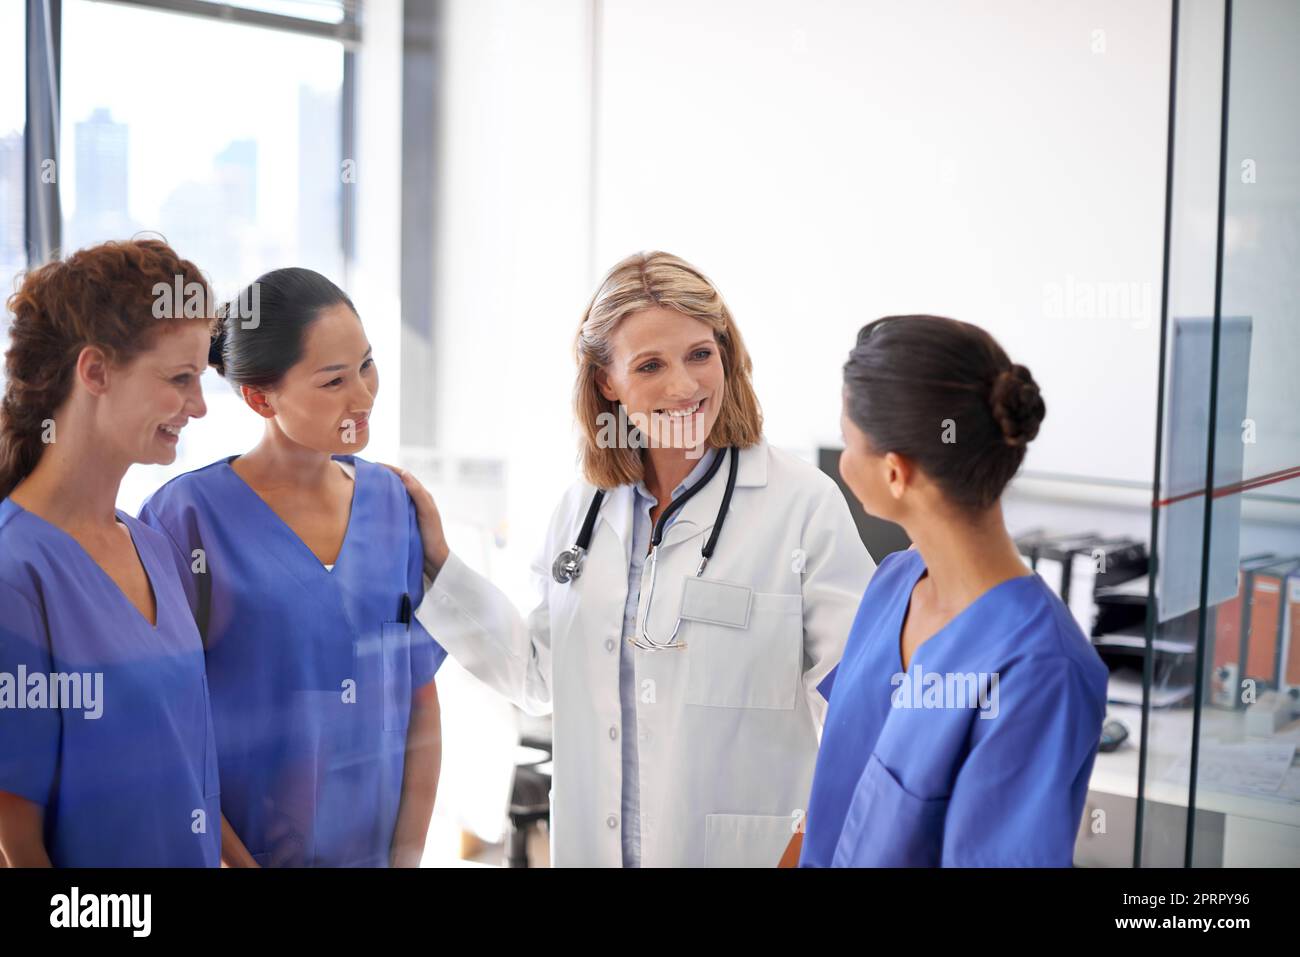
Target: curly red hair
(102,296)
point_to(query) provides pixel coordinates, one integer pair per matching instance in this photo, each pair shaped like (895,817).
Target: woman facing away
(965,715)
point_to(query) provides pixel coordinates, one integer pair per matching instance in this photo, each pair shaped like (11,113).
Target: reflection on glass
(326,11)
(1222,729)
(13,255)
(234,158)
(1246,771)
(237,167)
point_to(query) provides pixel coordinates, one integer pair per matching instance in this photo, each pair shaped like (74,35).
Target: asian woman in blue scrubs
(965,714)
(107,756)
(308,560)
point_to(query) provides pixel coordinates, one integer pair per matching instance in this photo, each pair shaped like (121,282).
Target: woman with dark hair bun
(107,756)
(965,714)
(323,698)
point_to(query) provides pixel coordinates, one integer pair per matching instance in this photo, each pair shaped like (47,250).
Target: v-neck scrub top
(117,748)
(908,775)
(311,670)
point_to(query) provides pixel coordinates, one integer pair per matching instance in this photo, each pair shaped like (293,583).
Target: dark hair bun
(217,351)
(944,394)
(1017,405)
(264,327)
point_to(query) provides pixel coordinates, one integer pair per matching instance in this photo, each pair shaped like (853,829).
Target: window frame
(43,214)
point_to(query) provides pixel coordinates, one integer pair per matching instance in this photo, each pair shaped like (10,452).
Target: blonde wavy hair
(643,281)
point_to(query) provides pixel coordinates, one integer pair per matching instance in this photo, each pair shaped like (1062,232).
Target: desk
(1238,830)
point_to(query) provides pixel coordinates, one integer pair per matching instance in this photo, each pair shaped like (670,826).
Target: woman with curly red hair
(107,757)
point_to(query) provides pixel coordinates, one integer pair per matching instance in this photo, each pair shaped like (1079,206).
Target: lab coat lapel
(590,603)
(616,512)
(701,512)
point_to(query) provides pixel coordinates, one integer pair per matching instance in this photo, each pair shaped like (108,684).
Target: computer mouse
(1113,734)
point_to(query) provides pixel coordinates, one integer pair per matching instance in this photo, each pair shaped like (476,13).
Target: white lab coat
(728,728)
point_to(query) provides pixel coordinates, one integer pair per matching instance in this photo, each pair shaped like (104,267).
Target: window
(13,203)
(223,138)
(326,11)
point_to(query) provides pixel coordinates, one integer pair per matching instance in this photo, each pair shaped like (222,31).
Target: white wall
(513,246)
(374,278)
(826,163)
(1261,276)
(829,163)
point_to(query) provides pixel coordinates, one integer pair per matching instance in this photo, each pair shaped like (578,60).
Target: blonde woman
(696,585)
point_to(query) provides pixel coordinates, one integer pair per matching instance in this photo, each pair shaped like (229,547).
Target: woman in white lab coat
(685,692)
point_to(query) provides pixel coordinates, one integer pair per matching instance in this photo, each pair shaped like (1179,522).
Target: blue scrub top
(126,772)
(979,755)
(311,670)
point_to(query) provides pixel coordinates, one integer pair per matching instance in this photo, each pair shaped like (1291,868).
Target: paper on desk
(1083,579)
(1173,646)
(1290,789)
(1257,768)
(1289,732)
(1133,588)
(1125,687)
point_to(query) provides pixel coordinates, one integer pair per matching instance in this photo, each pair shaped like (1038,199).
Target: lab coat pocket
(752,661)
(211,775)
(889,826)
(397,675)
(746,840)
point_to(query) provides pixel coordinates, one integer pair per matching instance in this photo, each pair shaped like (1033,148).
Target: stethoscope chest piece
(567,566)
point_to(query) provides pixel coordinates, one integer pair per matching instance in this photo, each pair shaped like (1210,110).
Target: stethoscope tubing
(568,564)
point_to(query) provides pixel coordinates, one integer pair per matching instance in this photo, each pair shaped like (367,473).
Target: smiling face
(323,402)
(145,402)
(667,373)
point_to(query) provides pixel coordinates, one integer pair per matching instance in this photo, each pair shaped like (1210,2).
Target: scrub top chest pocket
(745,648)
(913,836)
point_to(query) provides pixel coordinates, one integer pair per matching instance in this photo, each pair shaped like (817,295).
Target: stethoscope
(568,564)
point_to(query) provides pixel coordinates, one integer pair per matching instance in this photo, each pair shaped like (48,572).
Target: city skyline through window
(236,163)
